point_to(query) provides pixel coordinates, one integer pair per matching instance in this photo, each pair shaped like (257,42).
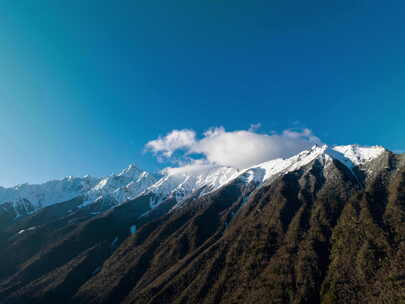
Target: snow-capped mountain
(350,156)
(123,186)
(120,187)
(359,155)
(177,183)
(42,195)
(323,216)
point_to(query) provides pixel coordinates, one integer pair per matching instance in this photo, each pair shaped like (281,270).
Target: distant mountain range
(323,226)
(132,182)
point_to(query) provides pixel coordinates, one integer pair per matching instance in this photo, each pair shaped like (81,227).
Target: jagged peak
(359,155)
(131,171)
(350,156)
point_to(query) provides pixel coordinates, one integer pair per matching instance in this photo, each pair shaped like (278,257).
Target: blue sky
(84,85)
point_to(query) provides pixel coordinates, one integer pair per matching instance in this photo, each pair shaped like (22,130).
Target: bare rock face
(330,230)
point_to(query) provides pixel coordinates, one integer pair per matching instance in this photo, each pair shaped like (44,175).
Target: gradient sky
(85,84)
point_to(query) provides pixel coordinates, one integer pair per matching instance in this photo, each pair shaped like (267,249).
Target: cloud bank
(239,149)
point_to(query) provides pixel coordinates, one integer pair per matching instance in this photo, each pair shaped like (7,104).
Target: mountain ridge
(279,232)
(132,181)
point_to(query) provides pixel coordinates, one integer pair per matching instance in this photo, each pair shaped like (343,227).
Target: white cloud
(176,139)
(238,149)
(195,166)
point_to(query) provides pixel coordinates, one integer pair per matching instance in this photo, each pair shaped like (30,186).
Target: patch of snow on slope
(132,229)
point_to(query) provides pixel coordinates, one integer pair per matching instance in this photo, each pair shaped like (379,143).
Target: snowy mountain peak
(131,171)
(123,186)
(266,170)
(182,182)
(359,155)
(350,156)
